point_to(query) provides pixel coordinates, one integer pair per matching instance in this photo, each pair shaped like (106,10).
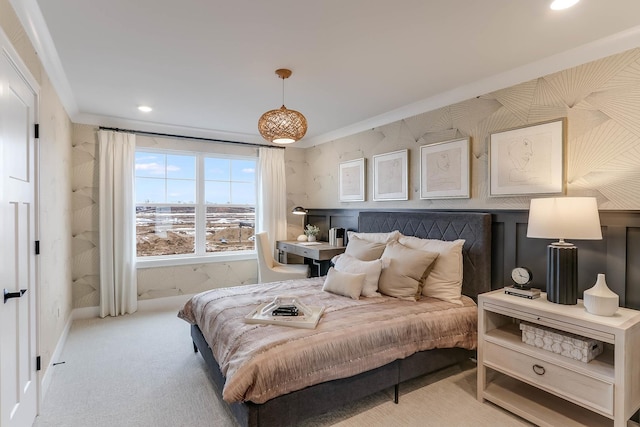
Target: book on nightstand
(530,293)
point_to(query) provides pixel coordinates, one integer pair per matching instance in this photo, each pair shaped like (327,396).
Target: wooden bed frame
(289,409)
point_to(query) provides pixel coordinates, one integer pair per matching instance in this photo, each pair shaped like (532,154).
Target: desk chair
(270,270)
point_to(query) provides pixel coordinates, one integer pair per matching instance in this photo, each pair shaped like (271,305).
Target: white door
(18,376)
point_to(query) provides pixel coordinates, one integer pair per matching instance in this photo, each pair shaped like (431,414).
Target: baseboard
(48,373)
(85,313)
(154,304)
(167,303)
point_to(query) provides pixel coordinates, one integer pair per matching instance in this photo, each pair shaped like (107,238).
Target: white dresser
(549,389)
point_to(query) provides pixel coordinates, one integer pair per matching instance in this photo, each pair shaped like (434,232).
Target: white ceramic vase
(311,238)
(601,300)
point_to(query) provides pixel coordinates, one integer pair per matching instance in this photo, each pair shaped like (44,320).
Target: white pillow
(375,237)
(345,284)
(407,267)
(445,278)
(372,269)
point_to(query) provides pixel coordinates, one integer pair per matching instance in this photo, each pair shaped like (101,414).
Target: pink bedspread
(261,362)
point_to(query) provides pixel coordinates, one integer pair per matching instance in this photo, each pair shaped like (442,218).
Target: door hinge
(37,247)
(38,363)
(36,130)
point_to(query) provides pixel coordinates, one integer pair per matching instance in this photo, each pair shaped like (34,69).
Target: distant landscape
(171,230)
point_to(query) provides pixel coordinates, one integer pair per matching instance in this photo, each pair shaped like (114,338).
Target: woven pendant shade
(282,126)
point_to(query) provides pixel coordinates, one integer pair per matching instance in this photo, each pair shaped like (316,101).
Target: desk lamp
(299,210)
(563,218)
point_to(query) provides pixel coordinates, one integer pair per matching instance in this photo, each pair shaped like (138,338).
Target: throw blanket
(261,362)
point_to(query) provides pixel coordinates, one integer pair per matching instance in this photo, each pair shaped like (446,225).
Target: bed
(279,402)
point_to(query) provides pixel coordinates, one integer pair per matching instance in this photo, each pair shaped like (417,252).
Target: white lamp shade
(564,218)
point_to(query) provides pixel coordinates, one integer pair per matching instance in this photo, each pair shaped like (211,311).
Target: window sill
(152,262)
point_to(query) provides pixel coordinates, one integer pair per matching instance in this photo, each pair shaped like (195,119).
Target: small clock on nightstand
(522,277)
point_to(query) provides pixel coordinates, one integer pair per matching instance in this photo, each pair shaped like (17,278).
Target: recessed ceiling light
(563,4)
(145,109)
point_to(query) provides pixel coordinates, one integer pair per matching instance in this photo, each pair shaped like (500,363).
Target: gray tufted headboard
(473,227)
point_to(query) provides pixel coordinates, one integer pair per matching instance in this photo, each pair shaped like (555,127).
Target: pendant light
(282,126)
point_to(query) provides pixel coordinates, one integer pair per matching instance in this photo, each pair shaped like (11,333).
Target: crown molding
(32,21)
(598,49)
(30,16)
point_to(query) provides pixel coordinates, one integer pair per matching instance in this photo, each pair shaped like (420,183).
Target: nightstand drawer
(584,390)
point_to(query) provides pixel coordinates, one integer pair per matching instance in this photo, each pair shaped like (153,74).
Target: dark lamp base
(562,274)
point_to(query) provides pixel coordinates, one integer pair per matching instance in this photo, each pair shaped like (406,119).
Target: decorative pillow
(401,279)
(375,237)
(445,278)
(347,264)
(345,284)
(364,250)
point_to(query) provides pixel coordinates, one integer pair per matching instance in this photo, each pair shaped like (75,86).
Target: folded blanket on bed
(261,362)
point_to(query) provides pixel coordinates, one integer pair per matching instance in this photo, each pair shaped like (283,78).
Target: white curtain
(272,194)
(118,287)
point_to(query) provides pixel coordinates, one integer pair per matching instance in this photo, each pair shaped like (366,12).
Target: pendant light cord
(283,91)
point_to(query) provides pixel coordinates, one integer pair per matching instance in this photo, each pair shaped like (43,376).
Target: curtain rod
(198,138)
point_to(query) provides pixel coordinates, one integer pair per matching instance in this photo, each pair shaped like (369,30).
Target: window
(193,203)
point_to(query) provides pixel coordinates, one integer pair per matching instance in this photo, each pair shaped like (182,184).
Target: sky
(171,178)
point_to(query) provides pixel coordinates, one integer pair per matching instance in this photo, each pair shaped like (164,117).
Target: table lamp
(299,210)
(563,218)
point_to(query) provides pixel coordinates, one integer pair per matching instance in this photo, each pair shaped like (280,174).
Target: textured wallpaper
(55,219)
(601,101)
(84,224)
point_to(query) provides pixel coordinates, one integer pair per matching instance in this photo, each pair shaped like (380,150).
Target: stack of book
(300,320)
(530,293)
(285,310)
(336,236)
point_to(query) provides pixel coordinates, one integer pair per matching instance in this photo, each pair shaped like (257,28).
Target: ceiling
(208,67)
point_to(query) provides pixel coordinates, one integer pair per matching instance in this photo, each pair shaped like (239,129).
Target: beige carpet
(140,370)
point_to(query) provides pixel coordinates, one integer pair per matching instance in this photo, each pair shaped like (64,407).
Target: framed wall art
(527,160)
(444,170)
(390,176)
(352,183)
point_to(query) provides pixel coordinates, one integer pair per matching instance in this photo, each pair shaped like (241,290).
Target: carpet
(141,370)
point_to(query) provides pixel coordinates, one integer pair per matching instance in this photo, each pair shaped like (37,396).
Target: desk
(320,254)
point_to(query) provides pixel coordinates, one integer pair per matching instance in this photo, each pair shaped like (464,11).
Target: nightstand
(549,389)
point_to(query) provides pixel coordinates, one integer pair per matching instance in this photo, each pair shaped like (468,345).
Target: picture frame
(528,159)
(352,182)
(445,169)
(390,176)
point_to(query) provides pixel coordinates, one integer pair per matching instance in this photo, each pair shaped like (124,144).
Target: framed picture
(352,181)
(527,160)
(390,176)
(444,170)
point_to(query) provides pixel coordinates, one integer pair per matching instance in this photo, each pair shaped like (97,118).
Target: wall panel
(632,267)
(617,255)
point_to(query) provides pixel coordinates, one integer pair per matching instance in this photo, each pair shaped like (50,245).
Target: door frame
(7,49)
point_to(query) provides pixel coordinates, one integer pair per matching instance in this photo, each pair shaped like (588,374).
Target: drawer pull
(539,369)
